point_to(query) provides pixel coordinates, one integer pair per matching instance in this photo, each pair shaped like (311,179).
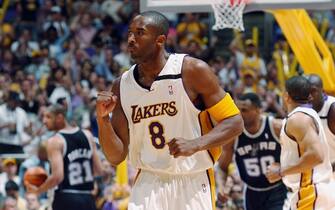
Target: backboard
(180,6)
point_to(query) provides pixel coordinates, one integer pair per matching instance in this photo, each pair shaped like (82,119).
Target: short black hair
(57,109)
(11,185)
(253,98)
(298,88)
(159,20)
(315,80)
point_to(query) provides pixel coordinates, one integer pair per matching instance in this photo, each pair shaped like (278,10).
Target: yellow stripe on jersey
(223,109)
(307,198)
(207,125)
(307,191)
(122,173)
(211,179)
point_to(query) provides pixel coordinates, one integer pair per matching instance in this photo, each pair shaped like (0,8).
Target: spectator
(13,121)
(107,67)
(33,202)
(58,88)
(29,101)
(191,29)
(7,61)
(127,10)
(54,42)
(73,62)
(4,87)
(249,60)
(57,21)
(107,36)
(84,30)
(8,174)
(6,35)
(248,83)
(110,8)
(87,69)
(28,11)
(123,58)
(10,203)
(12,190)
(25,46)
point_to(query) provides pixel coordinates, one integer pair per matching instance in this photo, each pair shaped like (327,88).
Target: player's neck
(253,128)
(292,106)
(319,105)
(66,127)
(151,67)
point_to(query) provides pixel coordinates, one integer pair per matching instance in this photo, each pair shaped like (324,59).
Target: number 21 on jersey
(80,173)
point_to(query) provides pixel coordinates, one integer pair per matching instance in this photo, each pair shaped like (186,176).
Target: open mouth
(131,48)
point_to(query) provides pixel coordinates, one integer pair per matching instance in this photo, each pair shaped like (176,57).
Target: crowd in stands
(62,51)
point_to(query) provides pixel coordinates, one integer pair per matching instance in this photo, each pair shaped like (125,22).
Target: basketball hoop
(228,14)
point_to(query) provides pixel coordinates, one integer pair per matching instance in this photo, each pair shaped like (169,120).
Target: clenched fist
(182,147)
(106,102)
(273,173)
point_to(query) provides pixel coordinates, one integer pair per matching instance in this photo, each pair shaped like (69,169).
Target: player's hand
(273,172)
(106,102)
(182,147)
(31,188)
(223,197)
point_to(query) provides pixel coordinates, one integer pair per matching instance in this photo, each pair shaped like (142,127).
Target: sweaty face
(141,38)
(317,96)
(249,112)
(49,120)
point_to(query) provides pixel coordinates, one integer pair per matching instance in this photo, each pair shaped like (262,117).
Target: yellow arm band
(223,109)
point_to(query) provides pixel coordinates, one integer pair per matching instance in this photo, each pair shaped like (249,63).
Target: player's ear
(60,117)
(286,97)
(161,39)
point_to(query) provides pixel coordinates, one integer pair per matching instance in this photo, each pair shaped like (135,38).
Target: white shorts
(156,191)
(320,196)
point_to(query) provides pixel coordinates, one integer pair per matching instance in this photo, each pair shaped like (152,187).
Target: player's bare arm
(277,125)
(201,83)
(113,133)
(224,162)
(331,118)
(55,156)
(302,128)
(226,156)
(97,165)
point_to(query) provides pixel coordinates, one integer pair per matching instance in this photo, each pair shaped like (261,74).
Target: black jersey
(78,163)
(254,153)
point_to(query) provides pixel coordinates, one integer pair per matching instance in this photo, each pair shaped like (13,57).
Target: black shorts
(71,201)
(266,200)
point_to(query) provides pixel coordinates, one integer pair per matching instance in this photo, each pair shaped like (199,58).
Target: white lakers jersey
(323,113)
(158,115)
(291,153)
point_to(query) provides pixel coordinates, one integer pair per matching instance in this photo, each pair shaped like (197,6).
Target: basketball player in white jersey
(160,114)
(325,106)
(304,162)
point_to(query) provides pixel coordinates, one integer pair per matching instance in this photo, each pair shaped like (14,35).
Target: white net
(228,14)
